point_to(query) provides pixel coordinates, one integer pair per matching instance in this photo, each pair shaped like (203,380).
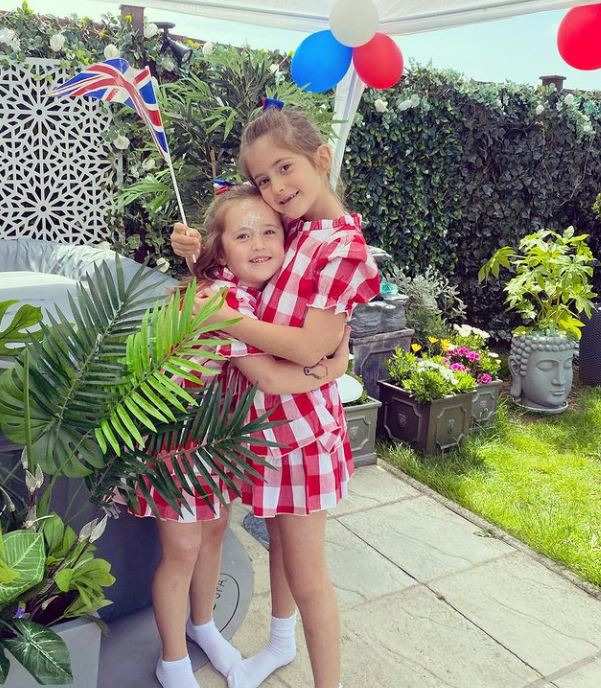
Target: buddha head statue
(541,371)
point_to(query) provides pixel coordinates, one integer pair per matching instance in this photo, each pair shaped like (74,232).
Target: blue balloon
(320,61)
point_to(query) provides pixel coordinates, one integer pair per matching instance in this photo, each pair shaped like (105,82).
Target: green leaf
(41,651)
(4,665)
(24,553)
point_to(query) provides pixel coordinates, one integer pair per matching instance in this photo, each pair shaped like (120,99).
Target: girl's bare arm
(284,377)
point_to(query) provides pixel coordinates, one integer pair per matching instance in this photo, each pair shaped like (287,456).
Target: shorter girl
(243,249)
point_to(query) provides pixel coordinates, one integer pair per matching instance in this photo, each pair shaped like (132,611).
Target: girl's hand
(340,358)
(203,296)
(185,242)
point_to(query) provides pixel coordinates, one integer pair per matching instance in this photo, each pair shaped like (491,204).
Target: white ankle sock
(280,650)
(177,674)
(222,654)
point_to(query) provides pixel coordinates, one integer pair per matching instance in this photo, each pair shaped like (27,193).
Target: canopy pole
(346,101)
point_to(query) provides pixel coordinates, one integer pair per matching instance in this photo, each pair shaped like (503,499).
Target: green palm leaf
(71,359)
(223,438)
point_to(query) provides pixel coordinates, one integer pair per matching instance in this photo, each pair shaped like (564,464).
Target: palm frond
(71,359)
(218,442)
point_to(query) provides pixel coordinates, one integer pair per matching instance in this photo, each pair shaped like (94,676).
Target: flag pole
(189,262)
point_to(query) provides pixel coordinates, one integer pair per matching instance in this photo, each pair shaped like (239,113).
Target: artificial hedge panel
(452,169)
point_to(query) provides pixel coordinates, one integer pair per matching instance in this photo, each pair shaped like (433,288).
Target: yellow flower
(432,340)
(416,347)
(444,344)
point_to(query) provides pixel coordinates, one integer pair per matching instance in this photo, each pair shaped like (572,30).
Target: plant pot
(484,404)
(83,640)
(370,355)
(541,372)
(362,420)
(432,427)
(590,349)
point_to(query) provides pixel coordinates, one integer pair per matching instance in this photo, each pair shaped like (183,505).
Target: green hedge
(453,169)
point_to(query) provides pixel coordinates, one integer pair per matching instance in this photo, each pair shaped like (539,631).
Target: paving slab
(587,676)
(539,615)
(372,486)
(424,538)
(359,573)
(414,640)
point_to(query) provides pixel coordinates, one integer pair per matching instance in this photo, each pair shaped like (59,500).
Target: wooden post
(137,15)
(553,79)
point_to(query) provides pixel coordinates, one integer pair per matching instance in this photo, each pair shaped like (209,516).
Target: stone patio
(433,597)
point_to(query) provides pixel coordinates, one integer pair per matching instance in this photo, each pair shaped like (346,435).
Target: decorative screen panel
(56,178)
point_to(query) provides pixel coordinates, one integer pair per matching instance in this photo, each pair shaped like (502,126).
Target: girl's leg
(282,601)
(180,544)
(207,568)
(201,627)
(303,543)
(281,648)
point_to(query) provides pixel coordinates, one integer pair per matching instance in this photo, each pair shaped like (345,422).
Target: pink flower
(473,356)
(484,379)
(459,367)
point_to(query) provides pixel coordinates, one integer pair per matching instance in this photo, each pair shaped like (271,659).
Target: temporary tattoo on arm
(313,371)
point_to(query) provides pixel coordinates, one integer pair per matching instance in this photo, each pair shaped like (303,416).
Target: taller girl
(303,309)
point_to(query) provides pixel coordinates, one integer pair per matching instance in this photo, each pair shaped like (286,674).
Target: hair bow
(221,185)
(272,103)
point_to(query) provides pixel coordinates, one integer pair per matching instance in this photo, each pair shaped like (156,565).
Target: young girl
(327,269)
(244,248)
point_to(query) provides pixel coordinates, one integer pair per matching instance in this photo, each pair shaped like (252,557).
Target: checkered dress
(327,265)
(244,300)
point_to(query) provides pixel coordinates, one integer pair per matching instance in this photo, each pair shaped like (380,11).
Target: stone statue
(541,371)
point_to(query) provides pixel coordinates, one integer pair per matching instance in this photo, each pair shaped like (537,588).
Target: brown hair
(289,129)
(211,256)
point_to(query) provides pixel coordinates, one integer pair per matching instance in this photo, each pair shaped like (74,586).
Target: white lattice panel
(56,178)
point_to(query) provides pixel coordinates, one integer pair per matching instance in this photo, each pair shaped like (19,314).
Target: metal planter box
(83,640)
(431,427)
(362,421)
(484,404)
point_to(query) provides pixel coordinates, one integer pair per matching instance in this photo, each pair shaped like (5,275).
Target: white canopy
(397,17)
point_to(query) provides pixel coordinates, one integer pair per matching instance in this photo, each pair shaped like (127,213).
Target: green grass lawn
(537,478)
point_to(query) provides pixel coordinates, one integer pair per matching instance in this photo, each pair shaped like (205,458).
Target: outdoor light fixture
(182,53)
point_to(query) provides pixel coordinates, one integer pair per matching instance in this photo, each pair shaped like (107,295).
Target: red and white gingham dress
(244,300)
(327,265)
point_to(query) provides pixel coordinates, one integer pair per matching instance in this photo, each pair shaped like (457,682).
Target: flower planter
(484,404)
(362,420)
(431,427)
(370,354)
(83,640)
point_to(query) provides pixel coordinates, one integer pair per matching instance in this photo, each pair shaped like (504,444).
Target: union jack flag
(115,81)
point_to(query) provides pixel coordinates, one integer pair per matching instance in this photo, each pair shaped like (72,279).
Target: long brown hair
(213,227)
(290,129)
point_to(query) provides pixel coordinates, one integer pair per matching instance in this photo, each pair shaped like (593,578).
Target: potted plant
(468,348)
(50,580)
(50,585)
(425,402)
(550,289)
(362,420)
(95,400)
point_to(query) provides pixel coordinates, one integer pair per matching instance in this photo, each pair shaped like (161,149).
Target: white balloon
(354,22)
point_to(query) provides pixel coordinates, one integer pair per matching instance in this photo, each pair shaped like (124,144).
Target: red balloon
(579,37)
(379,62)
